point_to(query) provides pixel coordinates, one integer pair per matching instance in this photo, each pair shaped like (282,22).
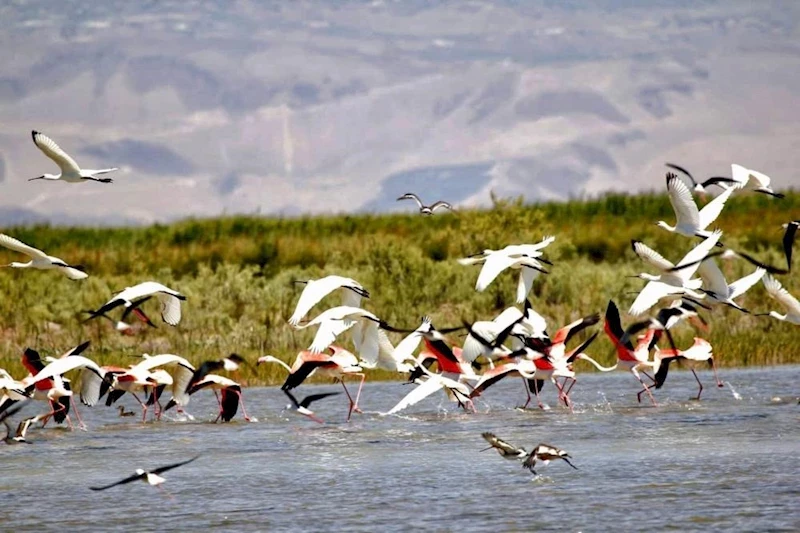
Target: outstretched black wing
(174,465)
(121,482)
(308,400)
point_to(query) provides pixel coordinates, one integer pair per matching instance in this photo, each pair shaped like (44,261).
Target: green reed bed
(237,273)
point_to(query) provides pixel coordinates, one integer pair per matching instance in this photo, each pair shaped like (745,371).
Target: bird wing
(308,400)
(90,386)
(18,246)
(422,391)
(170,308)
(473,347)
(328,331)
(651,256)
(64,365)
(788,241)
(411,196)
(368,345)
(54,152)
(502,446)
(73,273)
(442,204)
(682,202)
(742,285)
(740,174)
(713,279)
(687,266)
(780,294)
(492,267)
(650,295)
(161,469)
(316,290)
(712,209)
(122,481)
(526,277)
(682,171)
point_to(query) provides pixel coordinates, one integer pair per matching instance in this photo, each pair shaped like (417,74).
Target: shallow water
(719,464)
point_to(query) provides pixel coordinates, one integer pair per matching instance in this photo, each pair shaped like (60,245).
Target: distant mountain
(282,107)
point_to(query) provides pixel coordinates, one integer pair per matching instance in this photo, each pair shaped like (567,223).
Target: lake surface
(728,462)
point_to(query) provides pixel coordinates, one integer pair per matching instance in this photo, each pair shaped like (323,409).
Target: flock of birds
(516,343)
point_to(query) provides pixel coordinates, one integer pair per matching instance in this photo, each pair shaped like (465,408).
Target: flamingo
(151,477)
(317,289)
(700,351)
(337,364)
(691,221)
(668,283)
(782,296)
(39,259)
(630,358)
(229,397)
(424,209)
(128,297)
(70,171)
(546,453)
(752,180)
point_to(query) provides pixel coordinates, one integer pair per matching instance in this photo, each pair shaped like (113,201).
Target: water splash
(606,403)
(736,395)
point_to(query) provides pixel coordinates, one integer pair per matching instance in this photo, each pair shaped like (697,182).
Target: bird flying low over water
(425,209)
(39,259)
(546,453)
(151,477)
(130,297)
(302,407)
(70,171)
(506,450)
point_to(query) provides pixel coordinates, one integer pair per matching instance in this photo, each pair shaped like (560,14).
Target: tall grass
(237,273)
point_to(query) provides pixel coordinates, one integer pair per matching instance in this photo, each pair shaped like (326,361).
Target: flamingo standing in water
(338,364)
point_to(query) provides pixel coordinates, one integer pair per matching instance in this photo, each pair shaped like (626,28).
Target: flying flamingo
(338,364)
(132,297)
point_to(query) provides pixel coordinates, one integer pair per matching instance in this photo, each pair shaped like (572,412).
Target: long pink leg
(527,391)
(349,398)
(538,399)
(716,377)
(241,401)
(700,391)
(144,407)
(358,393)
(561,395)
(77,414)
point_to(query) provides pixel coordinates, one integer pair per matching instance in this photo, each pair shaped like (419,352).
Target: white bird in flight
(782,296)
(317,289)
(39,259)
(717,288)
(691,221)
(170,301)
(70,171)
(751,180)
(425,209)
(673,281)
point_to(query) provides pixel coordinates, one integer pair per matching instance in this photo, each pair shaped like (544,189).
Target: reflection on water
(722,463)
